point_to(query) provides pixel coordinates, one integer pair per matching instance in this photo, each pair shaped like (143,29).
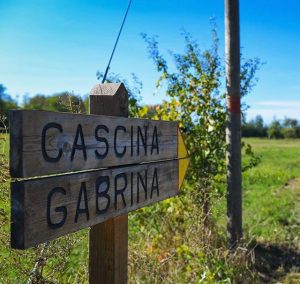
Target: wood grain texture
(109,99)
(109,251)
(108,241)
(108,141)
(46,208)
(16,143)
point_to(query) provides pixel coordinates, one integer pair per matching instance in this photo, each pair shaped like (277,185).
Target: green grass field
(272,192)
(4,145)
(271,208)
(271,222)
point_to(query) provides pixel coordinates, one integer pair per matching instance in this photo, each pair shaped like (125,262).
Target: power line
(112,54)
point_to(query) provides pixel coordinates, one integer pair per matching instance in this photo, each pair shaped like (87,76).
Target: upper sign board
(44,143)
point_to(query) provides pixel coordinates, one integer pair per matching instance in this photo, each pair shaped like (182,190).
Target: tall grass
(168,242)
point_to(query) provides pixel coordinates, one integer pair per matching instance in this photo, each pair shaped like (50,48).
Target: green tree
(196,100)
(63,102)
(290,128)
(275,129)
(6,103)
(38,102)
(259,122)
(254,128)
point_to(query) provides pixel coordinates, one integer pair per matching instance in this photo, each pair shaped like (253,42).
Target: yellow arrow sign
(183,159)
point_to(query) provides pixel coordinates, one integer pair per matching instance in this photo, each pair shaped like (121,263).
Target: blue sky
(49,46)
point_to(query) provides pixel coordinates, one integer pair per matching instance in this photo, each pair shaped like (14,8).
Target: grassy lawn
(4,145)
(271,209)
(272,192)
(271,220)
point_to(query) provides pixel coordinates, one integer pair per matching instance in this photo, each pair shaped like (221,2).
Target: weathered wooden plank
(46,208)
(108,251)
(109,99)
(44,143)
(108,241)
(16,143)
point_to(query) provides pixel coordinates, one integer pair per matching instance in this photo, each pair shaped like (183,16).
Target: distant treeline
(286,128)
(69,102)
(63,102)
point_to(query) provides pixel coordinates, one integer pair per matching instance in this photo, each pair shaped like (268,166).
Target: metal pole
(233,131)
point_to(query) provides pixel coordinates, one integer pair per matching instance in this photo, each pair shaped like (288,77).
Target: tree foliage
(6,103)
(63,102)
(196,98)
(254,128)
(288,128)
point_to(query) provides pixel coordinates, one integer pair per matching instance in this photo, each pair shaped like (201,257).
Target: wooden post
(108,243)
(233,132)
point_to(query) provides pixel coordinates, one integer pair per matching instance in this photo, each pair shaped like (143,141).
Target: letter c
(45,154)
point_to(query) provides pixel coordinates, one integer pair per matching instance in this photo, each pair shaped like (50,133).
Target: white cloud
(284,104)
(269,114)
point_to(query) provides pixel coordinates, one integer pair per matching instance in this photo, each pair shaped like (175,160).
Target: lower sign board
(46,208)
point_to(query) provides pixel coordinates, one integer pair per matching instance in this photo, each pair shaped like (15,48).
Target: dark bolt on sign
(107,166)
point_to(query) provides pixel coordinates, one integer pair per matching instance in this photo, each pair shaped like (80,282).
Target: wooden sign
(125,164)
(44,143)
